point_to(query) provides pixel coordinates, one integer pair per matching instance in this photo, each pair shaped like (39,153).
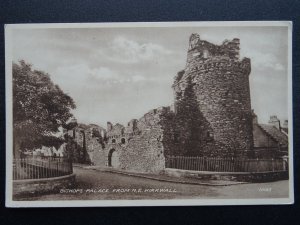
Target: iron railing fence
(41,167)
(216,164)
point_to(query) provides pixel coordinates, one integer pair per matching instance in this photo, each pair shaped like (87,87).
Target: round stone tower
(219,81)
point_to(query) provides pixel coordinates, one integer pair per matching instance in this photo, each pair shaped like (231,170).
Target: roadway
(99,185)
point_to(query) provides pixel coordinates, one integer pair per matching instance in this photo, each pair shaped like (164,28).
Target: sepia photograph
(149,114)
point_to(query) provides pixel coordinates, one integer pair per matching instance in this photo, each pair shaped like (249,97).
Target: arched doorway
(113,158)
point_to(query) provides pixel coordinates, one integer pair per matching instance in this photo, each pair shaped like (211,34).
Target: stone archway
(113,158)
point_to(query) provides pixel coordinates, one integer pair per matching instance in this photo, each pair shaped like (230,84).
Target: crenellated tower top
(204,50)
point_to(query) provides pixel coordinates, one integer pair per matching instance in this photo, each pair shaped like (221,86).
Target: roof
(276,134)
(286,130)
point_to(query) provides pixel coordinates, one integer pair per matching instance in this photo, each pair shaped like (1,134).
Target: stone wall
(84,141)
(143,144)
(255,177)
(217,82)
(45,185)
(140,146)
(145,152)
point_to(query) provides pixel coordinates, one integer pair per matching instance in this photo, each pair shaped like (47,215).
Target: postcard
(149,114)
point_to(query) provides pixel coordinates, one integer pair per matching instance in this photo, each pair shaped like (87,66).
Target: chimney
(254,117)
(274,121)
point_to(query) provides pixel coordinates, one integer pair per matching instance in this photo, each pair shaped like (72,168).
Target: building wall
(261,139)
(270,141)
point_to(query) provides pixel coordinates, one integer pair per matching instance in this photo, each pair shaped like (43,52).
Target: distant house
(270,140)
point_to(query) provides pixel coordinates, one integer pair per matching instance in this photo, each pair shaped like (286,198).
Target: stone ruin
(211,116)
(212,100)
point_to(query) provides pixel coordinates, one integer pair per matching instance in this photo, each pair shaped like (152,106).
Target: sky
(117,74)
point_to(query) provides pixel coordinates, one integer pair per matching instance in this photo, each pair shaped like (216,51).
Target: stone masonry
(140,146)
(215,86)
(211,116)
(84,141)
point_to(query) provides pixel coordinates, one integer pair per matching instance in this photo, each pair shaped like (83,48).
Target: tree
(39,108)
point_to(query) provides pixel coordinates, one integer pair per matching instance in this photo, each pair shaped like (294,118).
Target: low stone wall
(255,177)
(45,185)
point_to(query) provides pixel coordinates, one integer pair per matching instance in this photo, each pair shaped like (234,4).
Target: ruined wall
(218,82)
(84,141)
(145,151)
(211,117)
(141,146)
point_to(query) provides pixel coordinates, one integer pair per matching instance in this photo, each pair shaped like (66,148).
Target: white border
(178,202)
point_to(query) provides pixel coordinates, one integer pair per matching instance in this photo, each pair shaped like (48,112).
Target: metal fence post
(57,171)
